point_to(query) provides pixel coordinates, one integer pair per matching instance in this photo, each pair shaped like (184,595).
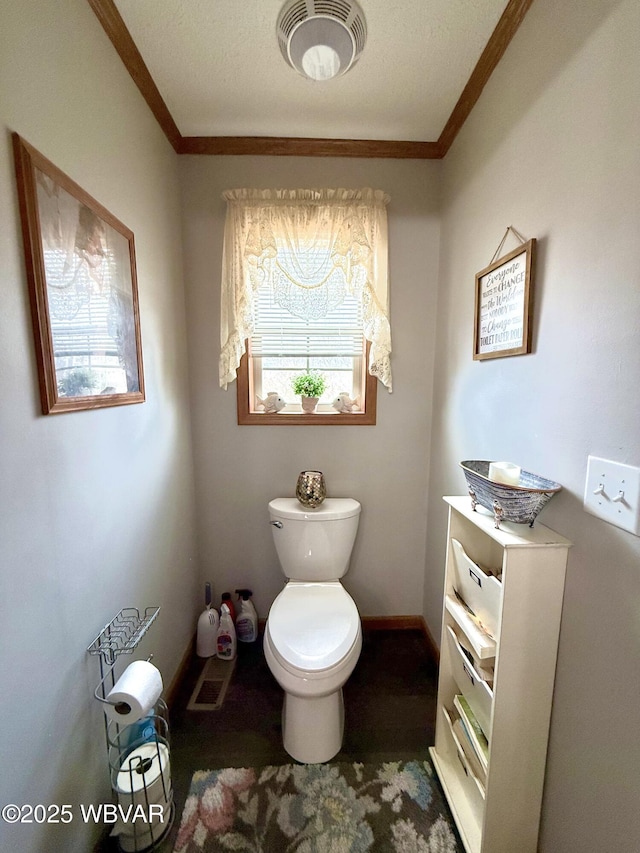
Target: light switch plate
(612,492)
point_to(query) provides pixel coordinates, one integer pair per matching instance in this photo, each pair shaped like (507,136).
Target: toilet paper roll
(136,835)
(135,693)
(145,776)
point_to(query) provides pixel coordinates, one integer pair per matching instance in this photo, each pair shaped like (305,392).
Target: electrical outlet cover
(612,493)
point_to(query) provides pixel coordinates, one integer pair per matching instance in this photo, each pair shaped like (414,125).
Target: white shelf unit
(496,801)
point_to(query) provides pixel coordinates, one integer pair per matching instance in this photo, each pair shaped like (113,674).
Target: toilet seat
(313,626)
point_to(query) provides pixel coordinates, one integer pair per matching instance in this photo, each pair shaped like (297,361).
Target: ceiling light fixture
(321,39)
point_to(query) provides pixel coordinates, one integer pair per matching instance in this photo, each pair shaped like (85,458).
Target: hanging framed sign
(503,304)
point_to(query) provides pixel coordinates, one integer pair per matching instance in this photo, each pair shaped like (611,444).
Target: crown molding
(505,30)
(305,147)
(114,26)
(112,23)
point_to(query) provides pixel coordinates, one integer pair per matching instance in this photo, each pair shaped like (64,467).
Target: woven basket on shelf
(520,504)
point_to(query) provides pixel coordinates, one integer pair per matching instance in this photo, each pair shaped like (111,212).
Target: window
(305,288)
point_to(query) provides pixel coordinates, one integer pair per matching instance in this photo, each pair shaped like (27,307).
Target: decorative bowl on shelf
(520,504)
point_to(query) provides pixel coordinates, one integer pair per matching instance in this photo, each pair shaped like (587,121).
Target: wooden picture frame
(81,273)
(503,305)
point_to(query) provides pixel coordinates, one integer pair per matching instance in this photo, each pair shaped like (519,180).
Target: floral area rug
(394,807)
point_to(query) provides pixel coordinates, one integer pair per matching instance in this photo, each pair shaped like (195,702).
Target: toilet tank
(314,544)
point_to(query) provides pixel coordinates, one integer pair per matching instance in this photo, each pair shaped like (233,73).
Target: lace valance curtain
(312,247)
(83,256)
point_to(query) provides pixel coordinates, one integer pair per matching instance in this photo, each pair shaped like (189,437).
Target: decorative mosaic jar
(311,489)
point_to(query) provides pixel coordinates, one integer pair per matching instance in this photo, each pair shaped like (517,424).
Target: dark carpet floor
(389,714)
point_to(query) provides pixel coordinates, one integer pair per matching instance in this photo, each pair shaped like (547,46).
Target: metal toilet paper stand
(138,753)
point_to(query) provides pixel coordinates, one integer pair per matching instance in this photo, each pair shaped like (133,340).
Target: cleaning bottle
(226,641)
(247,618)
(226,599)
(207,633)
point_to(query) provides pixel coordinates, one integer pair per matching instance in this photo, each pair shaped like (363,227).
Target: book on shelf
(470,754)
(473,730)
(483,644)
(483,667)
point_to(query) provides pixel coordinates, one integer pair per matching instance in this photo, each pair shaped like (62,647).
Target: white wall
(96,507)
(240,468)
(552,149)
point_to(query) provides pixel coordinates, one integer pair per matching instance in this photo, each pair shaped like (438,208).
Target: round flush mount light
(321,39)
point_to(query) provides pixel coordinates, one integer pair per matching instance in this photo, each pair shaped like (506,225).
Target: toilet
(313,638)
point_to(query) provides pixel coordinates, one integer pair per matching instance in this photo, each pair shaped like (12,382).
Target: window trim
(248,418)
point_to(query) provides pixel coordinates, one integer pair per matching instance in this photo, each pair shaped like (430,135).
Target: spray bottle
(226,599)
(226,641)
(247,618)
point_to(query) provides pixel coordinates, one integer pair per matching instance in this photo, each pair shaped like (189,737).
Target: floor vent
(209,692)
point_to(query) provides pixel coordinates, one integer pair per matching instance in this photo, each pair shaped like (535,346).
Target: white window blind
(278,332)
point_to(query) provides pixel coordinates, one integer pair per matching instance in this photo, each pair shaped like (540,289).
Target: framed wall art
(81,273)
(503,304)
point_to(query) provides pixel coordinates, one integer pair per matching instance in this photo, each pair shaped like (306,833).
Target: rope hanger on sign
(516,233)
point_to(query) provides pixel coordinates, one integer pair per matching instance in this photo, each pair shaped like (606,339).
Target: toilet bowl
(313,637)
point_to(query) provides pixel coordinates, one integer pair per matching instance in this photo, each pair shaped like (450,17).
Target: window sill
(248,418)
(296,419)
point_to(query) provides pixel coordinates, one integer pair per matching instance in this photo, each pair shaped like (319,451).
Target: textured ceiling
(219,69)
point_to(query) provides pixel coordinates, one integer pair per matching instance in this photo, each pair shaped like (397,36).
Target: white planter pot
(309,404)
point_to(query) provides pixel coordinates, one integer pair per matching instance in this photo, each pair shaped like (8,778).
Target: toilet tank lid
(330,509)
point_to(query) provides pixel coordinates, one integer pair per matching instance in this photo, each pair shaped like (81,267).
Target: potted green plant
(310,385)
